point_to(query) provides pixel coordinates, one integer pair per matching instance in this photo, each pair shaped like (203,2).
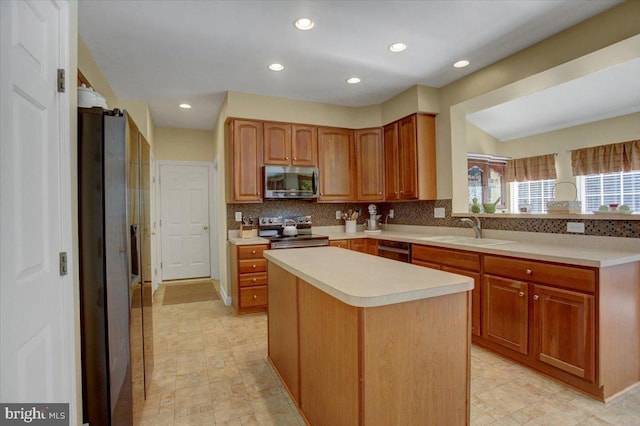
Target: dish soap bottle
(475,207)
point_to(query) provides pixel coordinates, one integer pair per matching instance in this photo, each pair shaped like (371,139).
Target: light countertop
(562,248)
(362,280)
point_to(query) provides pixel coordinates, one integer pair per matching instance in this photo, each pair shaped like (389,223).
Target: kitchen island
(358,339)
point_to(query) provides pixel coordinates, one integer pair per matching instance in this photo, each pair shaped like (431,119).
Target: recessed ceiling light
(185,106)
(461,64)
(353,80)
(276,67)
(304,24)
(397,47)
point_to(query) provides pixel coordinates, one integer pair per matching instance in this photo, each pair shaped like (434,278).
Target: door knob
(121,249)
(206,227)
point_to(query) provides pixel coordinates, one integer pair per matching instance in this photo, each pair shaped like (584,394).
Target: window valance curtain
(616,157)
(541,167)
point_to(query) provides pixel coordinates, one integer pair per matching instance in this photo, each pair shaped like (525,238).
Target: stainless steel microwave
(281,182)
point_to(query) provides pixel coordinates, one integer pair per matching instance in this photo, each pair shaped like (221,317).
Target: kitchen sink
(469,241)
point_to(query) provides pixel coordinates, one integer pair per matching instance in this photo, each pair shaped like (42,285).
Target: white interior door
(184,221)
(36,309)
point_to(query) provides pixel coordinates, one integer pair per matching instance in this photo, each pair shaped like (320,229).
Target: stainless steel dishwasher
(395,250)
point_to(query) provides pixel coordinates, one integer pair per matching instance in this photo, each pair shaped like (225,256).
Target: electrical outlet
(575,227)
(338,215)
(438,212)
(238,216)
(391,214)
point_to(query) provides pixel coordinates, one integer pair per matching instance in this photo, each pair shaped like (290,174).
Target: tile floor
(211,369)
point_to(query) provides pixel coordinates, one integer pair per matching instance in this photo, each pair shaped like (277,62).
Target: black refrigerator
(104,269)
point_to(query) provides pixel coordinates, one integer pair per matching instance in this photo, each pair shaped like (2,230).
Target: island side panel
(283,327)
(329,385)
(619,322)
(417,362)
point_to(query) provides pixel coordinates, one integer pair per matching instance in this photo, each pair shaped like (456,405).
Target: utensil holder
(350,226)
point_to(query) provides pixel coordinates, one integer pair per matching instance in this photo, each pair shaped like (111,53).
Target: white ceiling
(608,93)
(169,52)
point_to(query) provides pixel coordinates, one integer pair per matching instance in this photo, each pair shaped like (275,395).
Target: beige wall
(184,144)
(603,132)
(138,110)
(538,66)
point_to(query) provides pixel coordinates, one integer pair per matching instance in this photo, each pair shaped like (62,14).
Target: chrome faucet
(477,227)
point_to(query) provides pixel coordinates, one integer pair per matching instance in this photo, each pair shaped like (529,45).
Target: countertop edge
(374,301)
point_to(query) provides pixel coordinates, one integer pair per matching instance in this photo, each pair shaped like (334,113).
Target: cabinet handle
(295,159)
(253,252)
(254,280)
(379,193)
(536,297)
(286,158)
(402,192)
(253,266)
(521,294)
(528,272)
(255,296)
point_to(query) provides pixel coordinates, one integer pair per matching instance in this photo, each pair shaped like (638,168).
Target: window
(610,188)
(534,192)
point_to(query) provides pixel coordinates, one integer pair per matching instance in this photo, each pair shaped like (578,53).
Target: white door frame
(210,168)
(214,199)
(68,234)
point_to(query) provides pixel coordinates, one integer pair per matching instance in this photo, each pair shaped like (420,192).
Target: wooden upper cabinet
(408,155)
(304,146)
(410,163)
(369,165)
(564,330)
(391,162)
(290,145)
(246,147)
(277,144)
(337,164)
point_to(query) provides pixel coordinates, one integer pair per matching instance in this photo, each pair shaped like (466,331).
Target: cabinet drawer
(253,296)
(252,265)
(571,277)
(251,252)
(249,280)
(458,259)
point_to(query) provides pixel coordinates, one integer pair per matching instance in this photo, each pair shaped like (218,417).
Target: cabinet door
(277,144)
(336,161)
(563,330)
(391,162)
(246,143)
(304,146)
(408,158)
(505,313)
(475,296)
(369,161)
(359,244)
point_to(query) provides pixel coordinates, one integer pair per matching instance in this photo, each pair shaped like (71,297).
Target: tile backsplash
(421,213)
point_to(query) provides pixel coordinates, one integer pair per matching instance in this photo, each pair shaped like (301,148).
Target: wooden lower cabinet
(505,313)
(359,244)
(248,278)
(456,262)
(372,246)
(400,364)
(563,330)
(339,243)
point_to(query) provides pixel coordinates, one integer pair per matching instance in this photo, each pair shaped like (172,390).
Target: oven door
(290,182)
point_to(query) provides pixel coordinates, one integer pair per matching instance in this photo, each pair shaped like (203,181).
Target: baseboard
(223,295)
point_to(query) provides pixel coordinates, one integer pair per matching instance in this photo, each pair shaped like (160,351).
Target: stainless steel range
(279,231)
